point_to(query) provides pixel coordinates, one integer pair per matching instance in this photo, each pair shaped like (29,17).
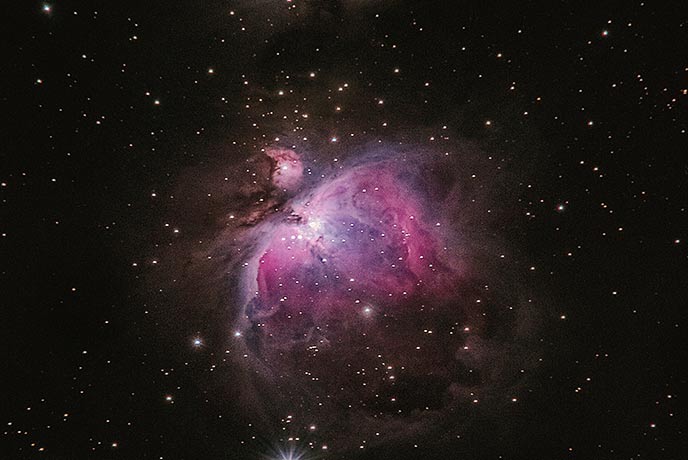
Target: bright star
(290,453)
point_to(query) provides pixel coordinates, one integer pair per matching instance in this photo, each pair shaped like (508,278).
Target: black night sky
(344,229)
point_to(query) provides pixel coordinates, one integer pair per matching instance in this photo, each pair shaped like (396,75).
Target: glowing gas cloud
(360,294)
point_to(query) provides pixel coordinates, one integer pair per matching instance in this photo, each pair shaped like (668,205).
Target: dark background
(84,149)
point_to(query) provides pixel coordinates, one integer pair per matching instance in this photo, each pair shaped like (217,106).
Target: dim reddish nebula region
(354,298)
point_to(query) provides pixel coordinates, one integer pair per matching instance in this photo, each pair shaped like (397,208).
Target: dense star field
(331,229)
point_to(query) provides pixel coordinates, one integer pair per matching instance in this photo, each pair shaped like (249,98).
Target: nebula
(358,240)
(338,274)
(371,295)
(359,298)
(287,169)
